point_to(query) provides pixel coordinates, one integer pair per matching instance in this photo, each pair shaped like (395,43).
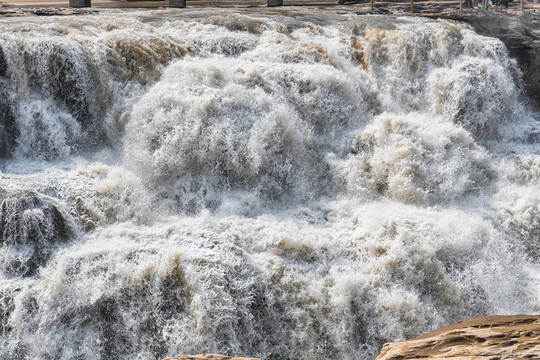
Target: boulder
(490,337)
(208,357)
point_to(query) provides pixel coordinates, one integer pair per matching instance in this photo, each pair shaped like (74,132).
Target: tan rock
(208,357)
(489,337)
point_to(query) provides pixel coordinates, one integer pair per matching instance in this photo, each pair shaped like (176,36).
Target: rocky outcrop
(208,357)
(490,337)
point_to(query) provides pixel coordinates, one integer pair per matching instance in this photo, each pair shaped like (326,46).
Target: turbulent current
(289,186)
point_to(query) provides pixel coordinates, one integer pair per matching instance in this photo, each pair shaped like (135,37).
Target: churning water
(283,186)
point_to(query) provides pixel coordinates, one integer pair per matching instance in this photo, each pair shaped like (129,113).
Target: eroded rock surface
(489,337)
(208,357)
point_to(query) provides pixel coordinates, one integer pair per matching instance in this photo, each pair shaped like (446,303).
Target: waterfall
(297,186)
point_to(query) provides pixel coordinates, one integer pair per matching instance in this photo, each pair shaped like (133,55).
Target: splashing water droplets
(295,186)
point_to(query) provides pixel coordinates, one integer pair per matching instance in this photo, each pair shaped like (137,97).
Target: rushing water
(283,186)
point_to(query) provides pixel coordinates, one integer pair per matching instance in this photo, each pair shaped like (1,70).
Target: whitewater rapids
(286,186)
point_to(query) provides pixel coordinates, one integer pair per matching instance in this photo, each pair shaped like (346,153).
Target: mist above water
(295,186)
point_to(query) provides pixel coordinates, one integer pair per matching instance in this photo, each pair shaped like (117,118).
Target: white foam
(300,187)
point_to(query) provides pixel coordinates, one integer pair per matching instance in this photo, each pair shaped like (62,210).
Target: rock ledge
(489,337)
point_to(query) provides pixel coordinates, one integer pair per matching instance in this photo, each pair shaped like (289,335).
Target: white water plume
(304,185)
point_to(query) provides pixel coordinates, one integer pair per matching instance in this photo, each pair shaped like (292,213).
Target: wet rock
(30,227)
(489,337)
(208,357)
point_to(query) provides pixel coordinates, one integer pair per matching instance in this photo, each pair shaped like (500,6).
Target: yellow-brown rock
(489,337)
(208,357)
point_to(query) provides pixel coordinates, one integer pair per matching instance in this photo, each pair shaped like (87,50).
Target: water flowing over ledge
(520,34)
(291,187)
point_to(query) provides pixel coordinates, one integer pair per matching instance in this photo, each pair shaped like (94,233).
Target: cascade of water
(287,187)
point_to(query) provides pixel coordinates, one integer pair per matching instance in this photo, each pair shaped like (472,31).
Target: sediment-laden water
(286,186)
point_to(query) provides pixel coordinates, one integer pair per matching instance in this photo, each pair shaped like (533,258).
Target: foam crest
(479,105)
(206,128)
(414,159)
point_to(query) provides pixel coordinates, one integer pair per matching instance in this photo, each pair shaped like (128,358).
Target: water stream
(296,186)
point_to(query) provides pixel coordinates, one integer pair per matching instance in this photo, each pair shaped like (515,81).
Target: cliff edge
(489,337)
